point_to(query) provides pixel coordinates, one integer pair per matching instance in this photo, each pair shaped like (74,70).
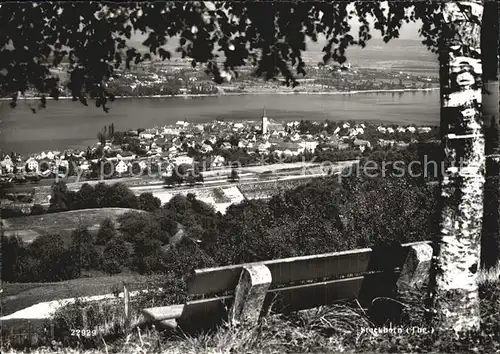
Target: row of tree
(101,195)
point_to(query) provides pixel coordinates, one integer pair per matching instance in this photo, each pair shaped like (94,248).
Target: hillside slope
(30,227)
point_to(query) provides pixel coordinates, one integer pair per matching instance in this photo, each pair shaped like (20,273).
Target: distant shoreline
(246,93)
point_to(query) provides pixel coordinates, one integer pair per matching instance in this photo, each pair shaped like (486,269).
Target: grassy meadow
(63,223)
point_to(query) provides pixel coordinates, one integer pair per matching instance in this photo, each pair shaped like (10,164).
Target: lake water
(67,124)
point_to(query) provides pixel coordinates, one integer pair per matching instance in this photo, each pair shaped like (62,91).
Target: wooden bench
(243,292)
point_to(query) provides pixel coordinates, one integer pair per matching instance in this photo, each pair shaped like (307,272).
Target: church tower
(265,123)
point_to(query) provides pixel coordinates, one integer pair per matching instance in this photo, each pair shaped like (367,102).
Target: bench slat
(168,324)
(216,280)
(301,297)
(205,314)
(284,271)
(287,299)
(307,296)
(205,306)
(191,311)
(164,312)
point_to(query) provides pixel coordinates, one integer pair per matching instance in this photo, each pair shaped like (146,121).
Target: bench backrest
(296,270)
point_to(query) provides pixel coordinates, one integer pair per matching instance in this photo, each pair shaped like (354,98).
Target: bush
(148,256)
(184,257)
(106,232)
(132,224)
(49,260)
(153,231)
(59,200)
(116,254)
(13,250)
(166,221)
(111,266)
(83,250)
(117,248)
(120,196)
(148,202)
(86,197)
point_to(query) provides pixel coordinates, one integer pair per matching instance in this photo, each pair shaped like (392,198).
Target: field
(219,197)
(30,227)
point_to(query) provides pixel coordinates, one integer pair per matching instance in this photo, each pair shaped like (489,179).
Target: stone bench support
(250,294)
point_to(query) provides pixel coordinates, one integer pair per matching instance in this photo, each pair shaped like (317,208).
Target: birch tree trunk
(454,291)
(490,241)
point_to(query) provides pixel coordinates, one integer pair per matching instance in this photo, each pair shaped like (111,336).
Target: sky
(409,31)
(376,50)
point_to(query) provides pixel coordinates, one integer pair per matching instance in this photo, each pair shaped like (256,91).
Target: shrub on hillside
(190,212)
(83,249)
(226,242)
(60,199)
(18,265)
(12,252)
(106,232)
(120,196)
(153,231)
(148,256)
(117,248)
(323,216)
(53,261)
(132,224)
(100,191)
(86,197)
(389,209)
(148,202)
(111,266)
(179,205)
(184,257)
(318,200)
(116,255)
(166,221)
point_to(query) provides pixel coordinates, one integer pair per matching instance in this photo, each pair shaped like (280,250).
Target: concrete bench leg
(416,268)
(249,295)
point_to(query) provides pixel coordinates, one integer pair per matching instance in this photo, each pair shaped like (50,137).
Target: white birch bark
(454,288)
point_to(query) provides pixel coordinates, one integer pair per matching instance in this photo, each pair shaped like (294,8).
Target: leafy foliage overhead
(269,35)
